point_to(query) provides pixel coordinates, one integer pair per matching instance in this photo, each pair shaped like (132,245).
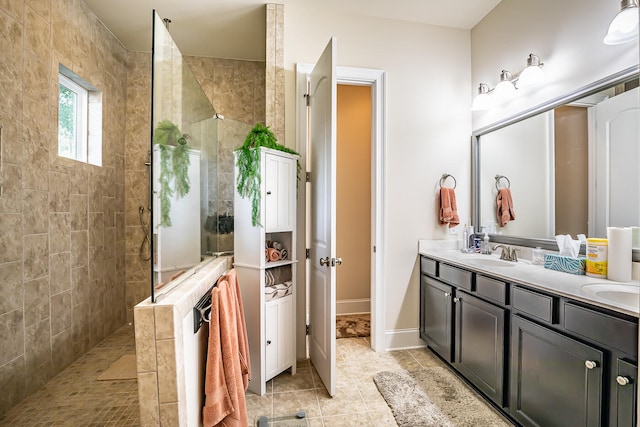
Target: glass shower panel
(185,154)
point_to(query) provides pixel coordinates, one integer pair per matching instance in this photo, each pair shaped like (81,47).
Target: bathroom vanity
(546,348)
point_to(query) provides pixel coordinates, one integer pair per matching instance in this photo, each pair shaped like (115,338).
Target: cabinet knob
(456,299)
(622,380)
(590,364)
(447,294)
(268,342)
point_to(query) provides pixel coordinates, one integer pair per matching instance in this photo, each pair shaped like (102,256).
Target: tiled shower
(70,270)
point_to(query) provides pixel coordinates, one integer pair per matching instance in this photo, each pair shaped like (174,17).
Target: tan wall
(353,198)
(62,269)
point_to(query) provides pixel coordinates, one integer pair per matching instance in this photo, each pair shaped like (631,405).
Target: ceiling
(196,25)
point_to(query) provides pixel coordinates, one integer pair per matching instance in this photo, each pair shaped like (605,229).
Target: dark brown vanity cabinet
(479,344)
(546,360)
(436,316)
(556,381)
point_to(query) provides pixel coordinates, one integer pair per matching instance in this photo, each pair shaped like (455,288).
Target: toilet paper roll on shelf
(619,258)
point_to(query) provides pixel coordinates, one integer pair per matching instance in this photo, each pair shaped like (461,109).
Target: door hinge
(307,176)
(308,330)
(307,253)
(374,249)
(306,98)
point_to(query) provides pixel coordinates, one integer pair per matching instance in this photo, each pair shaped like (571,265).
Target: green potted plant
(174,164)
(248,155)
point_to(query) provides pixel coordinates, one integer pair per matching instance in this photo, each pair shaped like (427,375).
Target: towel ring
(444,178)
(498,178)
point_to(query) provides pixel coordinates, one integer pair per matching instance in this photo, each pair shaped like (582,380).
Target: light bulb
(483,100)
(533,74)
(505,89)
(624,27)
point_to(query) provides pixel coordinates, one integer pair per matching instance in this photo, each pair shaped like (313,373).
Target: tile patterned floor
(75,398)
(357,401)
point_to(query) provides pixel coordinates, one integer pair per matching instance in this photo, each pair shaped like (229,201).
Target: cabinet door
(555,380)
(436,316)
(279,353)
(626,391)
(279,197)
(479,344)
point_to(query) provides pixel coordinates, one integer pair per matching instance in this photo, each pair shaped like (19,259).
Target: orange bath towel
(504,207)
(448,207)
(227,368)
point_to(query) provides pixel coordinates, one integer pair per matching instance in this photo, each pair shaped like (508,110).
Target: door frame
(376,80)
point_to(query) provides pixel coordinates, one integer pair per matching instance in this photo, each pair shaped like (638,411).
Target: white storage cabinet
(270,324)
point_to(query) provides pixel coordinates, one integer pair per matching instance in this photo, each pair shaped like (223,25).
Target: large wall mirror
(571,165)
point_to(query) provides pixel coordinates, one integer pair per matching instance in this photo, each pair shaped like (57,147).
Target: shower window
(79,119)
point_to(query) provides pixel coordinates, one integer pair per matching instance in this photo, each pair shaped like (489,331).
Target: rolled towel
(273,254)
(284,254)
(266,255)
(276,245)
(269,279)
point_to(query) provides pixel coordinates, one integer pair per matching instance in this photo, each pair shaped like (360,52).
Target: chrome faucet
(507,254)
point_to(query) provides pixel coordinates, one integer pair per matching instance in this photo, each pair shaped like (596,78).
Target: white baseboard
(353,306)
(403,339)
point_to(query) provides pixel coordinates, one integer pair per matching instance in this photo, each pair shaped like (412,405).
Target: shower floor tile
(76,398)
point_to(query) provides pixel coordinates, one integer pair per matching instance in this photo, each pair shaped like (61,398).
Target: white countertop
(622,297)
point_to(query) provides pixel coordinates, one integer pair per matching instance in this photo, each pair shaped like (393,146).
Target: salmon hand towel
(448,207)
(504,207)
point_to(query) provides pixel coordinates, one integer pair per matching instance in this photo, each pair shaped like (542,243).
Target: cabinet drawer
(492,289)
(605,329)
(535,304)
(456,276)
(428,266)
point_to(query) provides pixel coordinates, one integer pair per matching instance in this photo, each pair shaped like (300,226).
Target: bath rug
(353,325)
(434,397)
(122,369)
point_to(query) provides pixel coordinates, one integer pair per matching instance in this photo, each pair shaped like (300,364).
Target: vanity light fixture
(505,89)
(482,101)
(533,74)
(624,27)
(530,76)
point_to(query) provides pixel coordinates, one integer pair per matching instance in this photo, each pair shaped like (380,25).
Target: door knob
(336,261)
(590,364)
(622,380)
(324,261)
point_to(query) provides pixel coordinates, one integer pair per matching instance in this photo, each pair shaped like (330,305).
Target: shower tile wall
(62,269)
(138,272)
(236,90)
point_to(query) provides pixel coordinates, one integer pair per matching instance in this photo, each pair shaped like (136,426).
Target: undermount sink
(488,262)
(625,295)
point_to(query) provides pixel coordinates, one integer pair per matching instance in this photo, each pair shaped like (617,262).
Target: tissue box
(566,264)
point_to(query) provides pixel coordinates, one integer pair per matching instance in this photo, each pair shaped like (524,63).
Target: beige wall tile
(164,322)
(11,335)
(167,383)
(148,397)
(36,256)
(60,272)
(11,238)
(144,319)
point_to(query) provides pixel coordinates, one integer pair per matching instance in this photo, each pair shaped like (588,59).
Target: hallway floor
(357,401)
(76,398)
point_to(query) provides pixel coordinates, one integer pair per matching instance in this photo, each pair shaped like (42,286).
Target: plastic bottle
(465,239)
(486,244)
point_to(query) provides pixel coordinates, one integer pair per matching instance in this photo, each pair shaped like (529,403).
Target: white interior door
(617,173)
(322,281)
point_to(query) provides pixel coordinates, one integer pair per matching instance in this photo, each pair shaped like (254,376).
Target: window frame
(81,116)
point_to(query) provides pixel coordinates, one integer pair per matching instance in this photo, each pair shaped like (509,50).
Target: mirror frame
(590,89)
